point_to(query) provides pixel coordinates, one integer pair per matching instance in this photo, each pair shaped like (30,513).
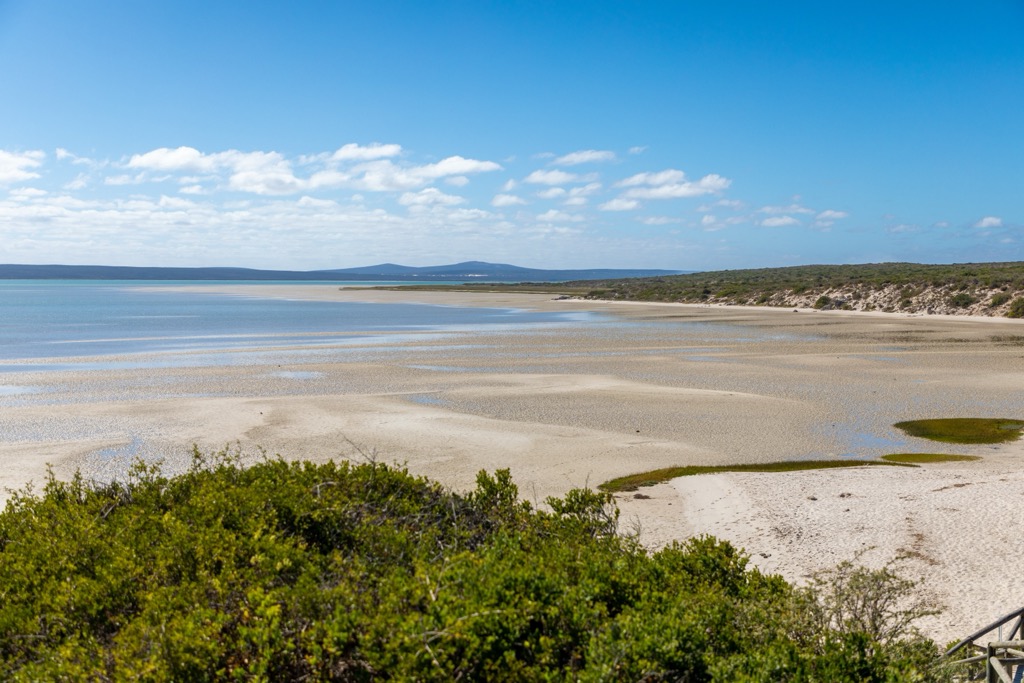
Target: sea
(70,324)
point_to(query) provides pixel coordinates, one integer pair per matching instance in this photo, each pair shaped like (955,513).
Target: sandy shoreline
(640,387)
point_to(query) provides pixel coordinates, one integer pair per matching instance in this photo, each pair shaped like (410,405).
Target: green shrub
(1016,308)
(998,299)
(340,572)
(961,300)
(822,302)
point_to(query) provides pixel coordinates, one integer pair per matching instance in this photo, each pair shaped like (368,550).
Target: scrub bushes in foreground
(296,571)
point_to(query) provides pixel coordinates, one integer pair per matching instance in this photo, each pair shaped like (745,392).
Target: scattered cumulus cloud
(827,218)
(659,220)
(791,209)
(989,222)
(556,216)
(552,177)
(619,204)
(552,193)
(586,156)
(638,149)
(779,221)
(16,167)
(375,150)
(671,184)
(429,197)
(507,200)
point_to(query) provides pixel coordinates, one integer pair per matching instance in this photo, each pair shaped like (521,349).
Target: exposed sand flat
(637,388)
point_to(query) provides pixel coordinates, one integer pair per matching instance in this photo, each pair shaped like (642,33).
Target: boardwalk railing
(997,660)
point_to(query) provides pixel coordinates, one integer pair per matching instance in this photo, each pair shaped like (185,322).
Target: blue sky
(686,135)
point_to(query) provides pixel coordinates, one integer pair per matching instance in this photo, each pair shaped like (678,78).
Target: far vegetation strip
(966,288)
(759,286)
(633,481)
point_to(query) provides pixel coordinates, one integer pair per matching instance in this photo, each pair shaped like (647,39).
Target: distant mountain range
(470,271)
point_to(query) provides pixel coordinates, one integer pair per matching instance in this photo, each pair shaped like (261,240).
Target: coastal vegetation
(632,482)
(288,571)
(972,288)
(926,458)
(969,430)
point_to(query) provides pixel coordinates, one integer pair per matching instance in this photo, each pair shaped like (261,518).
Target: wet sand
(575,404)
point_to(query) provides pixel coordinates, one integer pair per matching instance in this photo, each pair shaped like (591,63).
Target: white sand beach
(643,387)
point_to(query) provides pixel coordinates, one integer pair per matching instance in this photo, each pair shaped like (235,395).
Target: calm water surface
(42,320)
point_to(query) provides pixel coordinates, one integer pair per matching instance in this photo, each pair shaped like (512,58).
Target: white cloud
(124,179)
(313,202)
(779,221)
(456,165)
(708,220)
(828,217)
(18,166)
(660,178)
(734,204)
(555,216)
(585,156)
(578,195)
(507,200)
(585,190)
(267,173)
(80,181)
(792,208)
(177,159)
(638,149)
(457,181)
(375,150)
(709,184)
(385,175)
(551,193)
(23,193)
(659,220)
(619,204)
(429,197)
(550,178)
(989,222)
(509,185)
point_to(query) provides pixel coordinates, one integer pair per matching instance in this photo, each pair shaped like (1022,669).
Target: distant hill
(473,271)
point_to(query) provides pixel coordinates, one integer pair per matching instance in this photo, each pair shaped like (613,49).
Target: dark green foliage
(822,302)
(964,429)
(961,300)
(1016,308)
(295,571)
(999,299)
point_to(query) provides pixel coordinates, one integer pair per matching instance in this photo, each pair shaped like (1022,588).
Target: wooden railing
(995,661)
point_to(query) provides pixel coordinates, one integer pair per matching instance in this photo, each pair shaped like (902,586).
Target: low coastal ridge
(980,289)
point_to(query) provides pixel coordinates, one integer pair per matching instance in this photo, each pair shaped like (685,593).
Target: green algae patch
(634,481)
(925,458)
(964,429)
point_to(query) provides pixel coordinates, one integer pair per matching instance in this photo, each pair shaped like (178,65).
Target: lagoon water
(43,320)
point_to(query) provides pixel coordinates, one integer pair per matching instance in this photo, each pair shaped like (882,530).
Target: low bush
(339,572)
(961,300)
(1016,308)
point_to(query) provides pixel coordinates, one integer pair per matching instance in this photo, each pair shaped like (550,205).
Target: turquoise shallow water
(42,320)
